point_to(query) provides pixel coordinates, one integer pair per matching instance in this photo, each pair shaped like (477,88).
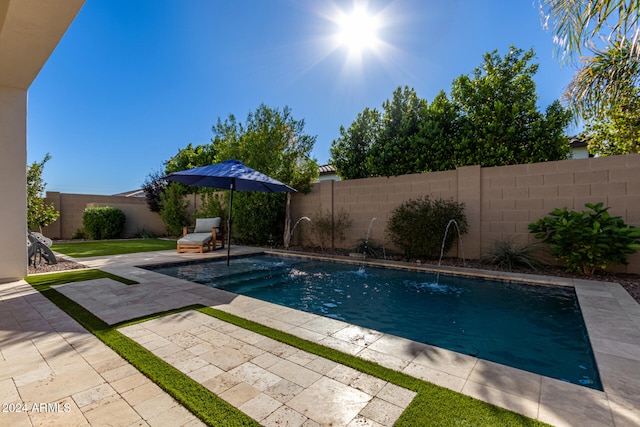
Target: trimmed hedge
(103,222)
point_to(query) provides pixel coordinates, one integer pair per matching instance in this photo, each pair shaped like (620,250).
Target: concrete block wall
(365,199)
(72,206)
(500,202)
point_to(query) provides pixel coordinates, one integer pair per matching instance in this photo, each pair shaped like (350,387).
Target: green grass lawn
(433,405)
(112,247)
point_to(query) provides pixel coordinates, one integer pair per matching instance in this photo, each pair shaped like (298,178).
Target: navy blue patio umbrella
(230,175)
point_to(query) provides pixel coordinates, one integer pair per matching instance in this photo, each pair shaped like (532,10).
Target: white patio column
(29,31)
(13,177)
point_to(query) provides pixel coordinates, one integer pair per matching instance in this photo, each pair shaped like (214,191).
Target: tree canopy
(397,138)
(350,152)
(271,141)
(191,157)
(616,130)
(274,143)
(490,119)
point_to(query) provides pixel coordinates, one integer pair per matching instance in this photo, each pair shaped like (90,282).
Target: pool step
(250,286)
(254,280)
(225,277)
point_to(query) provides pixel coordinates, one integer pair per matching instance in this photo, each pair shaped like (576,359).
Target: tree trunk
(287,223)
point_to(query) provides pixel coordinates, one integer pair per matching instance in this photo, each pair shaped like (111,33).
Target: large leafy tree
(271,141)
(440,132)
(39,214)
(191,157)
(616,129)
(350,152)
(275,143)
(500,122)
(492,119)
(396,150)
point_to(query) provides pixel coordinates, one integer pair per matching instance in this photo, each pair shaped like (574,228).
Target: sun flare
(357,30)
(360,33)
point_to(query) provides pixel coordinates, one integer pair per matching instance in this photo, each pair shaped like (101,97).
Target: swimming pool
(535,328)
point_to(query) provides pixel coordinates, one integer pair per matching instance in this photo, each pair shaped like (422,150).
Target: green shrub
(211,206)
(79,234)
(324,227)
(103,222)
(174,209)
(506,254)
(258,218)
(587,240)
(417,227)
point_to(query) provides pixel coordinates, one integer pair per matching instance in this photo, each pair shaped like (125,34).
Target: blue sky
(134,81)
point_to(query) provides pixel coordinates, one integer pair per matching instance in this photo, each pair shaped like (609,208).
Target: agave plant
(368,247)
(506,254)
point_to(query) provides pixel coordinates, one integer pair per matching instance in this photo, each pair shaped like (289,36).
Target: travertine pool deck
(46,357)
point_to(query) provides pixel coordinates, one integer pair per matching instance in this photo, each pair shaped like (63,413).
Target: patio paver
(53,372)
(263,377)
(611,315)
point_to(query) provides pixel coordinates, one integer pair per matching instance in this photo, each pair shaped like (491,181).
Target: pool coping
(611,315)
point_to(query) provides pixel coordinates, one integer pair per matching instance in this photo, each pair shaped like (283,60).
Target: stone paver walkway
(53,372)
(274,383)
(46,357)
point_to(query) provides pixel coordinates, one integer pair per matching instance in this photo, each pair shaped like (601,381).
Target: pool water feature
(531,327)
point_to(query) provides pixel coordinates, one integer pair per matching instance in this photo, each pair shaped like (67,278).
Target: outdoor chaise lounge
(208,232)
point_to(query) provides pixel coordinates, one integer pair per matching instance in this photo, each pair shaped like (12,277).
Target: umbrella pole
(233,181)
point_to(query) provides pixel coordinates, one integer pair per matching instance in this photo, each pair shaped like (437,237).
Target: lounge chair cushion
(202,236)
(204,225)
(195,238)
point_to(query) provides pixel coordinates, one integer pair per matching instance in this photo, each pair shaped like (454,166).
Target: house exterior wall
(500,202)
(580,153)
(29,31)
(13,209)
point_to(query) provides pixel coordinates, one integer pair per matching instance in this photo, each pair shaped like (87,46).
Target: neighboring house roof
(579,148)
(328,172)
(327,169)
(132,193)
(577,142)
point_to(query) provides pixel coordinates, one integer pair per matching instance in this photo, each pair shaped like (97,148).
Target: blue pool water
(535,328)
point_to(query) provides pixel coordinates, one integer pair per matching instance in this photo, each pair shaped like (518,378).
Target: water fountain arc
(286,244)
(446,231)
(366,240)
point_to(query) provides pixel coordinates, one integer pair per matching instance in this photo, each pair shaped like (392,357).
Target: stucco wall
(72,206)
(29,31)
(13,209)
(500,202)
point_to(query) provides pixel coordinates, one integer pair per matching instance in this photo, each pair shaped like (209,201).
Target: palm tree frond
(580,25)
